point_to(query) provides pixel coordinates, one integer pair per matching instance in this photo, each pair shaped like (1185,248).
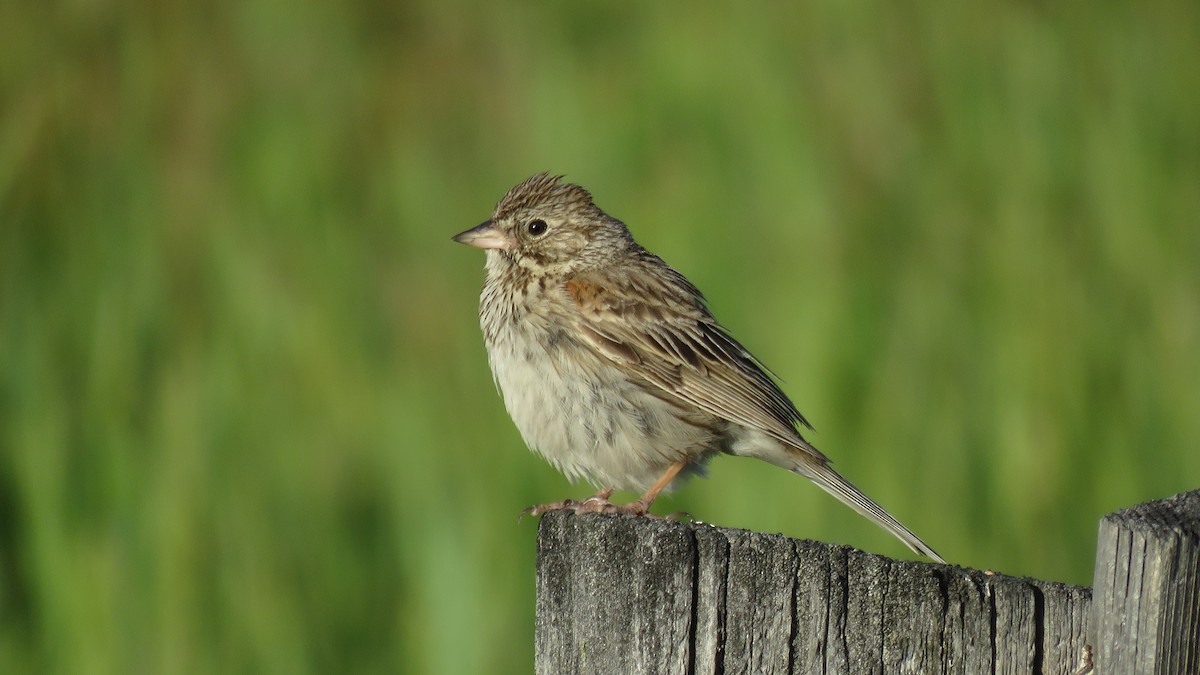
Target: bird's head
(547,225)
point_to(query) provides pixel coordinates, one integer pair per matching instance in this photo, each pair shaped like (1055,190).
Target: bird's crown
(544,191)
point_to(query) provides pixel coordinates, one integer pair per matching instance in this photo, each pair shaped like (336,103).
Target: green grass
(246,422)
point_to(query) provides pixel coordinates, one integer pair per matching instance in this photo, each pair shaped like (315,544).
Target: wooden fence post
(1147,589)
(617,594)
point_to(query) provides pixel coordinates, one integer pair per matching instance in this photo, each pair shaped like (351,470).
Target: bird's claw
(599,503)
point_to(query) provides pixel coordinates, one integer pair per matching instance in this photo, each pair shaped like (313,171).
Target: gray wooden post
(617,594)
(1147,589)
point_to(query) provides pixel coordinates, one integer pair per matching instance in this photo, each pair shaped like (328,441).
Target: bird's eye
(536,227)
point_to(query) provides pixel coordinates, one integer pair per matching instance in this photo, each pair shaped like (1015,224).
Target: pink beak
(484,236)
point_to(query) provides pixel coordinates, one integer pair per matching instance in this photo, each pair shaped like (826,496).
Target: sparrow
(614,370)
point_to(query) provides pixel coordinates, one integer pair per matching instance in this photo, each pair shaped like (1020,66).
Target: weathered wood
(1147,592)
(627,595)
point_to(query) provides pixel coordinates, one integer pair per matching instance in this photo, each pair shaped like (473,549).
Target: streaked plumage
(611,365)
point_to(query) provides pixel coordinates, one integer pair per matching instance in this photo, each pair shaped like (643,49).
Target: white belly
(585,416)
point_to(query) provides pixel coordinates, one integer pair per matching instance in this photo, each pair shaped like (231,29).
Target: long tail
(832,482)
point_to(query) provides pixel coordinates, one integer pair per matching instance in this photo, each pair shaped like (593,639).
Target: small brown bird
(612,367)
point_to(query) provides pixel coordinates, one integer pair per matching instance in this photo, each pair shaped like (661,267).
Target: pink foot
(598,503)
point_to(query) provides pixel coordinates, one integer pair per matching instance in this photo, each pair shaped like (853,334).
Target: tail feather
(832,482)
(798,456)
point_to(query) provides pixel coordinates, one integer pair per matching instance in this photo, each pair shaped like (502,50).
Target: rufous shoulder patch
(586,294)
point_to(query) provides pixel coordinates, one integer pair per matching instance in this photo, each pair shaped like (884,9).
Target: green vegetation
(246,421)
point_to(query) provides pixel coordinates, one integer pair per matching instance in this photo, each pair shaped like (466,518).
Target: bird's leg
(641,505)
(598,503)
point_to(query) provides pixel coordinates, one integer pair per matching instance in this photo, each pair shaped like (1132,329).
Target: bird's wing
(655,326)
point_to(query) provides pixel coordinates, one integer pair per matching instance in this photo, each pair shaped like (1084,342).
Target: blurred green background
(246,420)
